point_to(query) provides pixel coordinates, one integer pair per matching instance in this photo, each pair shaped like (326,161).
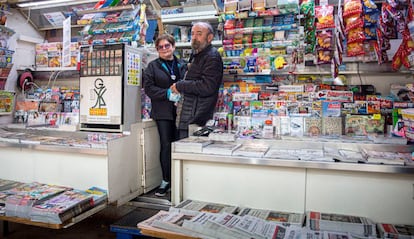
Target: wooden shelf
(55,226)
(163,234)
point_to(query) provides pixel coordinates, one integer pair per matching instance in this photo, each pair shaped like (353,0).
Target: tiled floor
(93,227)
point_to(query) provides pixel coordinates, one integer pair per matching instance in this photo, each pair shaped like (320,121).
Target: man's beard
(198,46)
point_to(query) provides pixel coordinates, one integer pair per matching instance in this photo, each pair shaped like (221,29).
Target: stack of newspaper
(400,231)
(252,150)
(219,225)
(386,157)
(147,227)
(284,218)
(62,207)
(23,197)
(221,148)
(320,221)
(193,207)
(191,144)
(199,219)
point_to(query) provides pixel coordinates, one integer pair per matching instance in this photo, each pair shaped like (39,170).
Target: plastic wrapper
(247,39)
(396,61)
(383,41)
(354,21)
(239,24)
(355,49)
(238,39)
(371,19)
(382,56)
(257,37)
(369,6)
(356,35)
(370,33)
(325,17)
(267,36)
(324,39)
(307,7)
(229,24)
(324,56)
(352,7)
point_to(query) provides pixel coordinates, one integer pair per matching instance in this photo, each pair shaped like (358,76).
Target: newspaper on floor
(193,207)
(174,222)
(284,218)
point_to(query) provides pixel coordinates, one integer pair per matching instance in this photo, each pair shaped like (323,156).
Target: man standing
(200,86)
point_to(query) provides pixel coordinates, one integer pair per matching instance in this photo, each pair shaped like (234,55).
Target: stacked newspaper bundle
(173,222)
(356,225)
(221,148)
(214,220)
(387,230)
(384,157)
(251,150)
(191,144)
(193,207)
(147,227)
(219,225)
(62,207)
(284,218)
(23,197)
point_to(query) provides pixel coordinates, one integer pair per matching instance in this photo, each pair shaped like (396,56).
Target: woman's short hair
(165,36)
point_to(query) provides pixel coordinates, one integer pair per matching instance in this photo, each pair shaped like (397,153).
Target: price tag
(376,116)
(323,2)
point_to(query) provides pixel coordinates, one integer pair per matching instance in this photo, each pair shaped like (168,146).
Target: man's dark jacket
(200,88)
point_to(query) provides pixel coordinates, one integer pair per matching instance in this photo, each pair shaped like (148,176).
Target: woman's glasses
(166,46)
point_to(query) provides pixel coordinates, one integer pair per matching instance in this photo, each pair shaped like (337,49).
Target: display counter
(384,193)
(113,166)
(125,166)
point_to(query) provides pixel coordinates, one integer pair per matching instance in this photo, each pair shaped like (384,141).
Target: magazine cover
(313,126)
(362,125)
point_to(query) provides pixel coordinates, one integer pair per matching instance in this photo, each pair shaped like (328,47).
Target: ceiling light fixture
(51,3)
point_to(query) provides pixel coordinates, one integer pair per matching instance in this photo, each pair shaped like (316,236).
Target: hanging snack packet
(352,7)
(324,17)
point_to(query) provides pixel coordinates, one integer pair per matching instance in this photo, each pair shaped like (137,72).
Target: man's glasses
(166,46)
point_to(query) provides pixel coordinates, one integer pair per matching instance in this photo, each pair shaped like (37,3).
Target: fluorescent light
(51,3)
(39,3)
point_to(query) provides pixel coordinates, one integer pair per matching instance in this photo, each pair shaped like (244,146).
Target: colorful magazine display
(62,207)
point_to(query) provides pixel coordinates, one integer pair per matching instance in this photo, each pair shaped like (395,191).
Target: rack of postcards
(120,23)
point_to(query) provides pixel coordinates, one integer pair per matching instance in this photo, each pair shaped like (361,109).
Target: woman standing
(160,74)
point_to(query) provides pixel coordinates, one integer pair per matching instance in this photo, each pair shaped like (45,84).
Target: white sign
(55,18)
(66,42)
